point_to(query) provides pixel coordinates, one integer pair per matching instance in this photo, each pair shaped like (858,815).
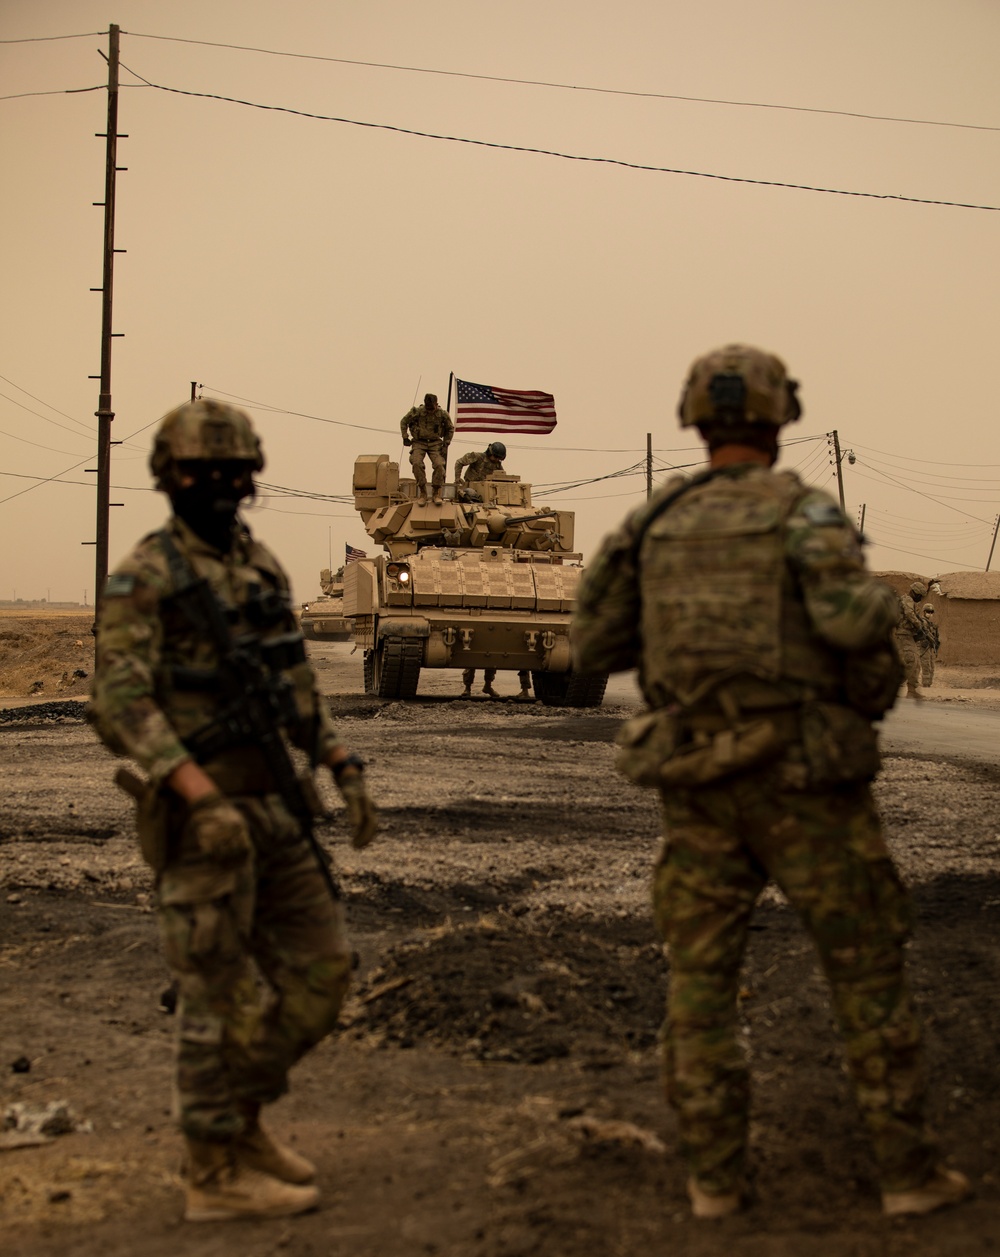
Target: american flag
(351,555)
(481,408)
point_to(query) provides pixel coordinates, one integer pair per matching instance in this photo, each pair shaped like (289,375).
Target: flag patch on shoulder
(119,585)
(823,513)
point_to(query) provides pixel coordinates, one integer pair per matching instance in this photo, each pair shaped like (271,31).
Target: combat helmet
(738,384)
(918,589)
(203,430)
(497,449)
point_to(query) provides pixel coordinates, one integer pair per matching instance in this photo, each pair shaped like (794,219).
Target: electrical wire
(47,39)
(568,87)
(545,152)
(56,91)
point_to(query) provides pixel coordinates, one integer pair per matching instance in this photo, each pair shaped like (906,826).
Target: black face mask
(209,505)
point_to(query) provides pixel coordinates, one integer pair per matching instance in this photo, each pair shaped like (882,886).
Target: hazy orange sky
(337,271)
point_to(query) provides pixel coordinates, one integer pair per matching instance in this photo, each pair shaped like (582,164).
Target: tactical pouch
(644,744)
(652,753)
(872,679)
(840,744)
(152,817)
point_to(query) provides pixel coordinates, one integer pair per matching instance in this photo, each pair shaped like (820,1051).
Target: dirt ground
(494,1088)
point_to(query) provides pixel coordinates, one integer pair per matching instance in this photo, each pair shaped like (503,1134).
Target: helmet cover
(497,449)
(738,384)
(204,430)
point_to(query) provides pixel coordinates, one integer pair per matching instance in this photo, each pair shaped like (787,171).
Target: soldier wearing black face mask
(237,881)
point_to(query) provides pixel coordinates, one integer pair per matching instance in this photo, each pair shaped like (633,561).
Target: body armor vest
(719,601)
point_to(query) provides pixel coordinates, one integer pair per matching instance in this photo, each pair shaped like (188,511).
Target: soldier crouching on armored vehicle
(764,654)
(428,430)
(200,666)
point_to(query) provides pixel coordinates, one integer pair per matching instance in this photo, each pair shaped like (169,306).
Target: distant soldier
(929,647)
(200,666)
(428,430)
(480,466)
(910,634)
(489,676)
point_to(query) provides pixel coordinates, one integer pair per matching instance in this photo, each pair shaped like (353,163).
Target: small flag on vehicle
(352,555)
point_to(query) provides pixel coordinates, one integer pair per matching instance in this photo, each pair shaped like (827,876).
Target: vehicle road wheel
(396,667)
(369,668)
(570,689)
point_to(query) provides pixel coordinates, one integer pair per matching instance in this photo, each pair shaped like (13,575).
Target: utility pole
(861,521)
(649,465)
(996,525)
(194,390)
(836,454)
(104,412)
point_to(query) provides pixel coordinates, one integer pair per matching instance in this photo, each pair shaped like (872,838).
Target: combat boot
(526,693)
(220,1188)
(438,499)
(944,1187)
(258,1150)
(467,692)
(490,692)
(708,1205)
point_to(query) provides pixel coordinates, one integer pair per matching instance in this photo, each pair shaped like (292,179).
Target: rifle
(256,701)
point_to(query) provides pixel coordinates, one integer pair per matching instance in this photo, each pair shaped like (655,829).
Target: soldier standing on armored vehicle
(428,430)
(199,667)
(763,648)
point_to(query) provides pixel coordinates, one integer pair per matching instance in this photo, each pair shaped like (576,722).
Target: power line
(56,91)
(46,39)
(546,152)
(570,87)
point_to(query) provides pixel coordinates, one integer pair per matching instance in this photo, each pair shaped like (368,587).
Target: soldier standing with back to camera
(763,649)
(236,878)
(428,430)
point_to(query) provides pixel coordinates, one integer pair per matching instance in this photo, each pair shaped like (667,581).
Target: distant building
(967,611)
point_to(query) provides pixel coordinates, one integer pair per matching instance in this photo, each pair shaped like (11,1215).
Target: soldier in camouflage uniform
(428,430)
(910,635)
(236,880)
(763,653)
(930,646)
(481,465)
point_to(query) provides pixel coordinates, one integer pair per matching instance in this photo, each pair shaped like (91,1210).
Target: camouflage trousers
(907,649)
(927,655)
(826,851)
(273,917)
(435,451)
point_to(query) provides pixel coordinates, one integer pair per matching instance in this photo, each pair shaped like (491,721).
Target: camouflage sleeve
(604,631)
(404,424)
(909,617)
(465,461)
(128,647)
(449,429)
(849,608)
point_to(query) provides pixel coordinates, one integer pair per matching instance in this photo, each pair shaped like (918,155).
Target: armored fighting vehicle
(487,583)
(323,618)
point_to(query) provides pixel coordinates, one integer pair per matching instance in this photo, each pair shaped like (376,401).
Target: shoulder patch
(822,514)
(120,585)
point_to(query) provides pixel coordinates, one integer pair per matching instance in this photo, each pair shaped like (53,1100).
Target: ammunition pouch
(664,748)
(839,743)
(152,817)
(872,679)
